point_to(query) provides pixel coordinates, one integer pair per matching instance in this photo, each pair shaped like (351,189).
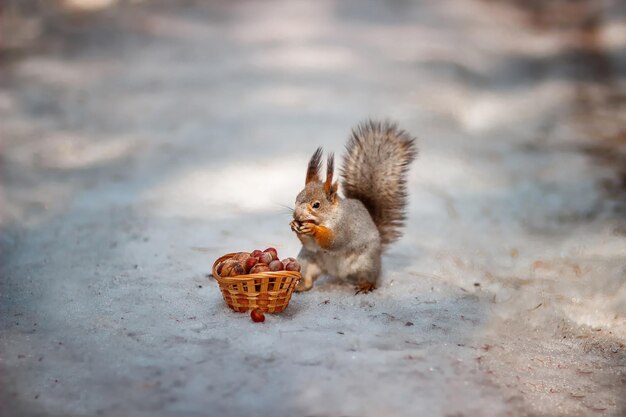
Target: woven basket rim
(260,275)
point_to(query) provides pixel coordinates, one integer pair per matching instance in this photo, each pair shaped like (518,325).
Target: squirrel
(344,237)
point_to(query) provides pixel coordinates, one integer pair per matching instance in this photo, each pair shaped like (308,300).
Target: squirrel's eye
(316,204)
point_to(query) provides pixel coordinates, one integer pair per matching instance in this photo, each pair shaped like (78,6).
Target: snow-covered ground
(142,142)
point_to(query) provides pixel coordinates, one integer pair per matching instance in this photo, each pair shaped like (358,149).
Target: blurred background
(91,84)
(142,139)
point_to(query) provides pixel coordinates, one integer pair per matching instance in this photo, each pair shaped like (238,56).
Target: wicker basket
(268,291)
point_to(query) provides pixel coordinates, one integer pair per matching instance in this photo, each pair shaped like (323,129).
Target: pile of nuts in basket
(255,262)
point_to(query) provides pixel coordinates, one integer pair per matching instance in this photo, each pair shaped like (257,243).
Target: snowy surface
(142,142)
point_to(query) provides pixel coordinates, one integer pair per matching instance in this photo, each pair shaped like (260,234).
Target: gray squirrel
(344,237)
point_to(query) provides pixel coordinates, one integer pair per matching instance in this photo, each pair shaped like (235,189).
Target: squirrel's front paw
(307,229)
(295,226)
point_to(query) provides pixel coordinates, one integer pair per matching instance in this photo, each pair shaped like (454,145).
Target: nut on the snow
(257,315)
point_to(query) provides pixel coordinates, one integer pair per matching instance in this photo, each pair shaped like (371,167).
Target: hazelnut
(232,268)
(266,258)
(241,256)
(276,265)
(257,315)
(258,268)
(293,266)
(272,251)
(250,262)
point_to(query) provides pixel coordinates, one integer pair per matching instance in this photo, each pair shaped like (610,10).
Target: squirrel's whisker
(286,207)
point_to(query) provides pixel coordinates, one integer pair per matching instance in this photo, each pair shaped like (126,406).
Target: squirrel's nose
(298,212)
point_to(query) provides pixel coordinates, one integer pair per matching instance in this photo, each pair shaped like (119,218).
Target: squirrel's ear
(332,192)
(313,170)
(330,170)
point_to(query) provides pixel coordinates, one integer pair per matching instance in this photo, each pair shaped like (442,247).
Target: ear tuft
(330,170)
(332,195)
(313,170)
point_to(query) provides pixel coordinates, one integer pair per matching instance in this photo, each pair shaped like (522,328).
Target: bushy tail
(374,171)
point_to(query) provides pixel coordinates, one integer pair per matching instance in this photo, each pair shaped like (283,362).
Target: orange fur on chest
(322,236)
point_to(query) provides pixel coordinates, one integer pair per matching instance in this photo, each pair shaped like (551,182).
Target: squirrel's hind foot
(364,288)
